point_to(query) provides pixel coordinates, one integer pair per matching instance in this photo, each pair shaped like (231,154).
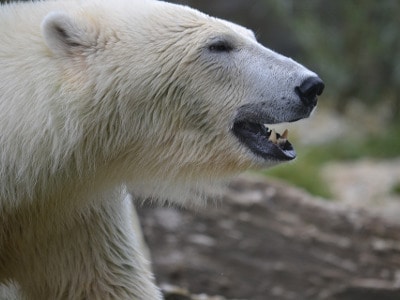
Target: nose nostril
(309,90)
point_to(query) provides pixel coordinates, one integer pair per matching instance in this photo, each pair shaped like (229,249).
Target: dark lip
(255,137)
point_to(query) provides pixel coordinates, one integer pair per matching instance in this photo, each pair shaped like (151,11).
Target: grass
(396,189)
(305,171)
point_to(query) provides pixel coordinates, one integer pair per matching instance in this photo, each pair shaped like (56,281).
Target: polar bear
(100,96)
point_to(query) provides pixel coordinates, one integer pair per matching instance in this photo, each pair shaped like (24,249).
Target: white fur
(96,95)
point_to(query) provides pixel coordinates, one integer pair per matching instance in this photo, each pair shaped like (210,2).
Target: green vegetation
(305,171)
(396,189)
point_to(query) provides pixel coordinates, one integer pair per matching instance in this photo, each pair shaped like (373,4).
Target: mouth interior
(263,141)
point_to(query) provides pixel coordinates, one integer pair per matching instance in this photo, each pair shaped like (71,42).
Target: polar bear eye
(220,46)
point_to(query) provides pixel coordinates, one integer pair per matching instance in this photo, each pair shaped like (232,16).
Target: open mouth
(263,141)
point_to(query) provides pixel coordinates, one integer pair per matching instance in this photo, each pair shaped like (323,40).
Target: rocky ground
(267,240)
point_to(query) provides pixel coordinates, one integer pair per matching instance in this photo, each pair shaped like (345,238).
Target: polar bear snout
(309,90)
(252,122)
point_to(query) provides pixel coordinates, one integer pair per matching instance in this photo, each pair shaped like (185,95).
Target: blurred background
(350,149)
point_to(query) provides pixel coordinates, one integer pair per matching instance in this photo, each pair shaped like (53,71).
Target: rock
(176,293)
(280,244)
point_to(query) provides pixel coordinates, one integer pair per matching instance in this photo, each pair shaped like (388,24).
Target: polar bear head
(174,93)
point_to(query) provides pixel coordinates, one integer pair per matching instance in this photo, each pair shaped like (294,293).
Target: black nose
(309,90)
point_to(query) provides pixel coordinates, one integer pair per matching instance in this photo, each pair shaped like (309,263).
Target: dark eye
(220,46)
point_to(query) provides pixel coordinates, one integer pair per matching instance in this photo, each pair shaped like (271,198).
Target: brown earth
(267,240)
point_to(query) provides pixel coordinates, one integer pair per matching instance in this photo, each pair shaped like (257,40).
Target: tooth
(282,141)
(272,136)
(285,134)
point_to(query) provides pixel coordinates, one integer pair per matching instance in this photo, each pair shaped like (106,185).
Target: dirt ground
(269,241)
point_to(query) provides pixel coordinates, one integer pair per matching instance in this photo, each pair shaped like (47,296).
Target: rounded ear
(66,35)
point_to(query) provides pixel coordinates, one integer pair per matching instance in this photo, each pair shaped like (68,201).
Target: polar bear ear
(65,35)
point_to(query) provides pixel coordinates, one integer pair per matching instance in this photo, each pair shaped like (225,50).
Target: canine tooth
(272,136)
(285,134)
